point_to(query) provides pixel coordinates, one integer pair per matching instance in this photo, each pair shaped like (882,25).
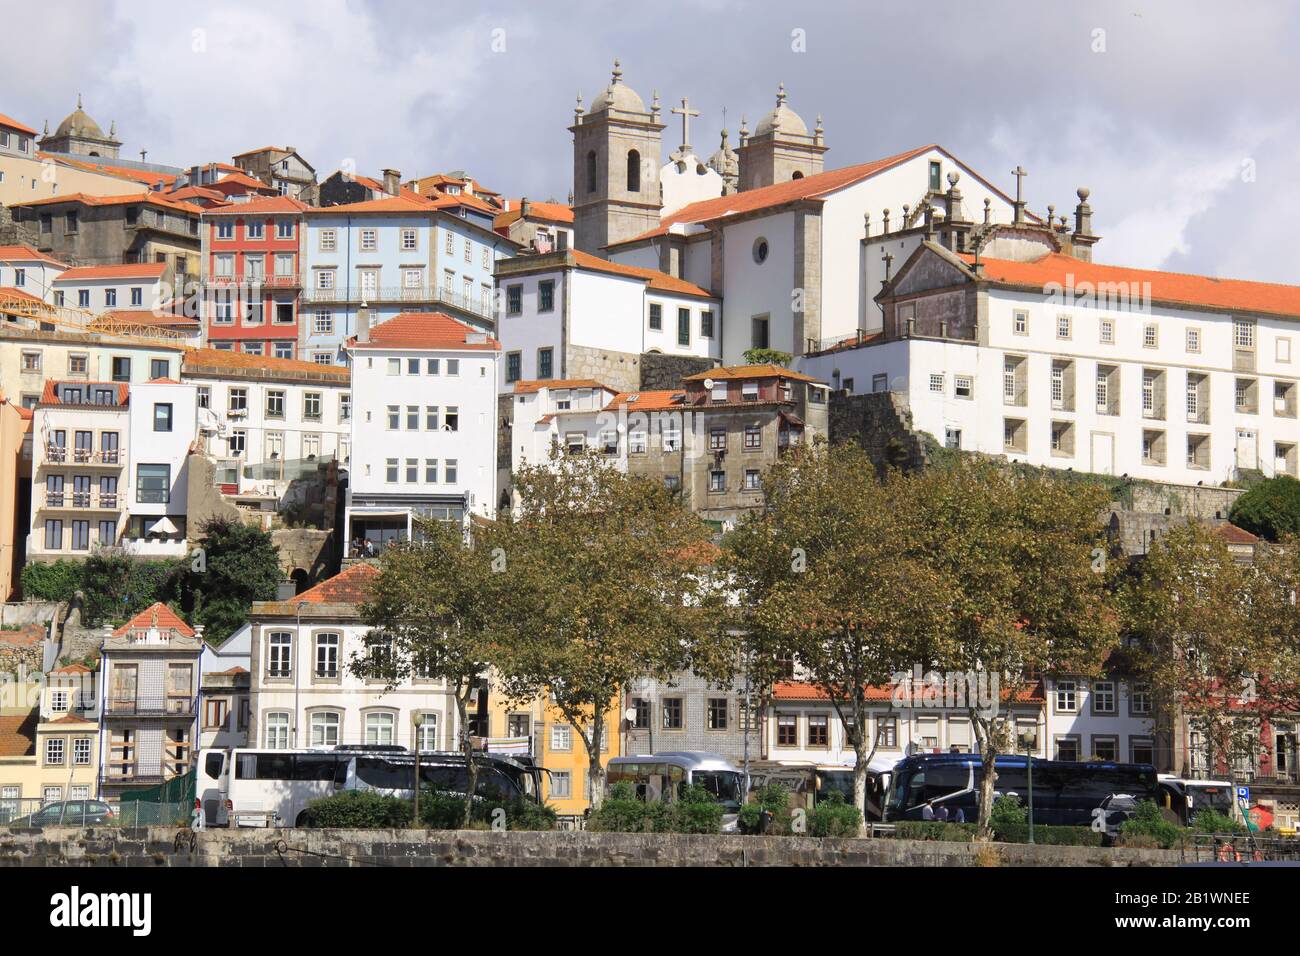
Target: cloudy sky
(1176,113)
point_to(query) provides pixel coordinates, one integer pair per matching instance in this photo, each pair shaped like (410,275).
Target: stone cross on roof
(685,112)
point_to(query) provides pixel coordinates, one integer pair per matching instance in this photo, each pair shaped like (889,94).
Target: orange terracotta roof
(526,388)
(156,615)
(263,149)
(390,204)
(50,395)
(813,187)
(231,672)
(652,400)
(72,719)
(241,178)
(24,413)
(124,270)
(26,636)
(350,586)
(1233,535)
(27,253)
(736,372)
(444,201)
(271,205)
(152,198)
(219,360)
(187,193)
(426,330)
(9,292)
(72,669)
(144,317)
(18,734)
(377,186)
(147,177)
(1175,288)
(14,124)
(549,211)
(655,279)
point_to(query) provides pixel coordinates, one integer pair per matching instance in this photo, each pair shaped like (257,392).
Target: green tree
(767,357)
(833,578)
(604,578)
(1270,509)
(236,565)
(1216,638)
(430,599)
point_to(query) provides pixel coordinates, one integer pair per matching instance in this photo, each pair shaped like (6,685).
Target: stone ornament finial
(780,95)
(953,177)
(617,75)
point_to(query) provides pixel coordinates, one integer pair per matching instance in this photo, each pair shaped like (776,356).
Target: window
(936,384)
(253,230)
(752,480)
(514,300)
(1066,696)
(1067,748)
(410,241)
(379,729)
(717,439)
(81,533)
(963,386)
(561,785)
(936,176)
(1245,396)
(1062,326)
(683,326)
(546,296)
(706,324)
(672,713)
(753,436)
(1141,750)
(325,279)
(642,708)
(325,729)
(1062,439)
(451,419)
(952,438)
(162,417)
(514,366)
(449,471)
(275,403)
(787,730)
(561,737)
(431,471)
(545,362)
(412,418)
(153,484)
(369,240)
(390,470)
(279,654)
(1105,748)
(717,481)
(1107,332)
(1009,381)
(54,751)
(656,316)
(412,470)
(1103,697)
(53,535)
(818,731)
(717,713)
(1243,333)
(1020,322)
(327,655)
(81,752)
(1014,434)
(759,337)
(887,732)
(1150,336)
(1140,700)
(633,171)
(1198,451)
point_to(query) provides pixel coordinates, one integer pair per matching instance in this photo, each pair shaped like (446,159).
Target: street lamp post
(417,719)
(1029,741)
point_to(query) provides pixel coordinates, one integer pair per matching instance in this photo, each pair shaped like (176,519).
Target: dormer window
(719,392)
(749,391)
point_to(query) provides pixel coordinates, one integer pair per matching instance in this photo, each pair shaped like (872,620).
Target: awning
(162,526)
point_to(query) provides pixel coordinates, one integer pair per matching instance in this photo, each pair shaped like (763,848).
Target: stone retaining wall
(169,846)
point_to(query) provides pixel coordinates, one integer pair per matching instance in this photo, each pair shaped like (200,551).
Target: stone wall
(28,612)
(15,233)
(169,846)
(882,424)
(620,370)
(659,371)
(308,549)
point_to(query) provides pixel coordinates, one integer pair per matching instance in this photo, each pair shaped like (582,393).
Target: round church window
(760,250)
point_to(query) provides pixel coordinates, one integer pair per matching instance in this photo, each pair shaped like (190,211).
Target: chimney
(363,324)
(391,181)
(524,207)
(286,591)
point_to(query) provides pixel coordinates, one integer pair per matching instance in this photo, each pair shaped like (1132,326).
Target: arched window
(591,171)
(633,171)
(797,175)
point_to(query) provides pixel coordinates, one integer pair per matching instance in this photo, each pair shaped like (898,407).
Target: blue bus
(1066,793)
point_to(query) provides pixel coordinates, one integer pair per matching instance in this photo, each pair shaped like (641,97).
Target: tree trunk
(467,750)
(596,771)
(989,750)
(860,771)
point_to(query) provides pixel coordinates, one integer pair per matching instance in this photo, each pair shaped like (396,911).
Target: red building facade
(252,260)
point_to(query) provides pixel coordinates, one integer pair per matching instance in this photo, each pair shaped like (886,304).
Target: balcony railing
(82,500)
(418,294)
(62,455)
(170,706)
(289,280)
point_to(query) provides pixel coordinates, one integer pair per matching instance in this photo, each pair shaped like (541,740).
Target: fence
(1239,848)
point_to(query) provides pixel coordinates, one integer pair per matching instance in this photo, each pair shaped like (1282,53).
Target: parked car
(72,813)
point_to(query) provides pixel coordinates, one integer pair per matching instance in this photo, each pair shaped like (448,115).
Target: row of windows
(33,360)
(56,751)
(415,366)
(656,322)
(1104,747)
(411,471)
(719,713)
(251,311)
(1104,698)
(323,729)
(280,348)
(135,294)
(450,418)
(273,445)
(545,364)
(312,403)
(408,240)
(80,534)
(284,229)
(1243,333)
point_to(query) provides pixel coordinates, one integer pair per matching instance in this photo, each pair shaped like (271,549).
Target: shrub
(621,812)
(1149,825)
(936,830)
(1270,509)
(57,581)
(1049,835)
(767,357)
(359,810)
(833,817)
(696,811)
(1008,812)
(1212,821)
(775,799)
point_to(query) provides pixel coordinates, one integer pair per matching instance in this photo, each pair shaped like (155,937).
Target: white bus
(273,788)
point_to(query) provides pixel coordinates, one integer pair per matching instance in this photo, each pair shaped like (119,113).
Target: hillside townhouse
(24,270)
(279,167)
(252,265)
(268,421)
(148,715)
(304,692)
(424,440)
(49,751)
(539,227)
(225,680)
(134,286)
(1030,353)
(691,713)
(109,468)
(31,355)
(15,493)
(87,230)
(571,315)
(391,255)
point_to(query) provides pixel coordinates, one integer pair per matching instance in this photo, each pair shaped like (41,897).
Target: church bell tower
(616,160)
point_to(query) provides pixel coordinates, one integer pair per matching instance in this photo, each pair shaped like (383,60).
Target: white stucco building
(424,427)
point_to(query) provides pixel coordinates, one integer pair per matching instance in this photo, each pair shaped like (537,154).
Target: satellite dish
(708,383)
(630,714)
